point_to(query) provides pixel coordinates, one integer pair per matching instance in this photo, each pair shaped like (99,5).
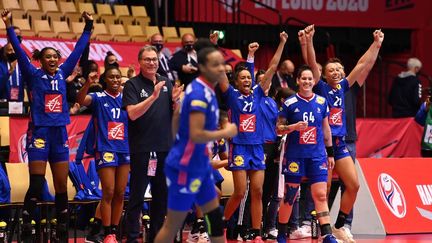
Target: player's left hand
(378,36)
(176,92)
(330,163)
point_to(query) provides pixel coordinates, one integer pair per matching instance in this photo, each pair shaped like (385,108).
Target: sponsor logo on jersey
(165,89)
(323,166)
(39,143)
(296,110)
(144,94)
(195,185)
(338,86)
(293,167)
(115,131)
(44,76)
(238,160)
(308,136)
(53,103)
(290,101)
(392,195)
(106,105)
(247,123)
(320,100)
(199,103)
(318,110)
(108,157)
(335,116)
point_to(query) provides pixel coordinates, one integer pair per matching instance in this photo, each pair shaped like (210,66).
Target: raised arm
(303,45)
(23,60)
(81,44)
(82,97)
(366,62)
(311,57)
(250,62)
(266,82)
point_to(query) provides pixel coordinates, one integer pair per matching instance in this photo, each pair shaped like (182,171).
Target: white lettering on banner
(98,52)
(330,5)
(425,193)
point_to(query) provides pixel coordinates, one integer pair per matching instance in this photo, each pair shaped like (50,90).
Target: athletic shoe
(110,239)
(349,235)
(322,239)
(193,237)
(306,228)
(271,234)
(299,234)
(203,238)
(93,239)
(341,234)
(281,238)
(257,239)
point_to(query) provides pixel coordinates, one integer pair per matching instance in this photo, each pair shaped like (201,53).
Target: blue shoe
(330,239)
(281,238)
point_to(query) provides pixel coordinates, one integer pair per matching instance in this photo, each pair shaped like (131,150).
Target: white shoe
(203,238)
(272,234)
(193,238)
(306,228)
(341,234)
(349,235)
(299,233)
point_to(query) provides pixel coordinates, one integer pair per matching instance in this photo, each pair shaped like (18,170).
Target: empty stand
(136,33)
(170,34)
(123,15)
(43,29)
(24,25)
(62,30)
(118,32)
(100,32)
(150,30)
(186,30)
(140,14)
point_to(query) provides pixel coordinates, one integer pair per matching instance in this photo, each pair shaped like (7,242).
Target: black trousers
(138,184)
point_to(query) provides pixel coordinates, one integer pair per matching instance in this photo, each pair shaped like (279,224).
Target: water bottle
(314,225)
(3,232)
(33,229)
(146,227)
(44,231)
(53,236)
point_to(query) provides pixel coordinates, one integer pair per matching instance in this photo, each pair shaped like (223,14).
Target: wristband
(330,151)
(88,25)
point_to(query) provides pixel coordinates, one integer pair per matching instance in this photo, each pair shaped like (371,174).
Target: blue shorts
(185,189)
(340,148)
(315,169)
(246,157)
(47,144)
(111,159)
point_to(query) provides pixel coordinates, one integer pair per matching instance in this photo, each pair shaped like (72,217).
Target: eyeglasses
(149,60)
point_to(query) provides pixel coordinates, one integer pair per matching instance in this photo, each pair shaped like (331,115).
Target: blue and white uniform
(111,126)
(47,136)
(337,117)
(305,154)
(187,168)
(246,149)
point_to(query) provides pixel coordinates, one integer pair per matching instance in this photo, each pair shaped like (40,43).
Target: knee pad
(36,186)
(290,194)
(214,222)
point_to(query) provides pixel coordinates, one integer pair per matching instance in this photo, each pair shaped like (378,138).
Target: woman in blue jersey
(246,150)
(333,90)
(188,169)
(309,152)
(47,138)
(112,149)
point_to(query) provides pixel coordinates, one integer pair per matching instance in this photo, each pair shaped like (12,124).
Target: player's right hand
(157,89)
(230,130)
(6,15)
(301,125)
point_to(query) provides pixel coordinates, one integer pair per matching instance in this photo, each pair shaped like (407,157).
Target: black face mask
(11,57)
(114,64)
(19,38)
(287,77)
(188,48)
(159,47)
(229,75)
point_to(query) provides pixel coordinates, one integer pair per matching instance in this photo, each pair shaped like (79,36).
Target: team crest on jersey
(293,167)
(238,160)
(247,123)
(39,143)
(108,157)
(195,185)
(144,94)
(335,118)
(320,100)
(53,103)
(116,131)
(308,135)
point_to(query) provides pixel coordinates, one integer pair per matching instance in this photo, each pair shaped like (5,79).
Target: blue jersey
(308,143)
(246,113)
(186,155)
(336,102)
(111,122)
(270,114)
(48,93)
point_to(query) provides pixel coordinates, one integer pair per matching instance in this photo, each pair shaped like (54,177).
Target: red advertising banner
(18,128)
(126,52)
(384,138)
(402,192)
(337,13)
